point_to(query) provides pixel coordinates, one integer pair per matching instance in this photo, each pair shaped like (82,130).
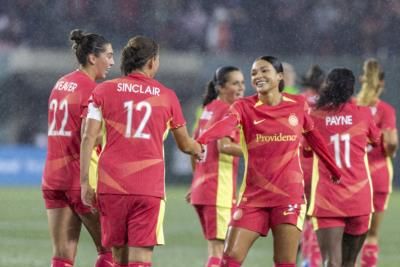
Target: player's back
(138,111)
(66,103)
(347,131)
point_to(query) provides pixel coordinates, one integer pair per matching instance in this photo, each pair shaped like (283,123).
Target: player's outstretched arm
(220,129)
(185,143)
(89,137)
(316,142)
(227,146)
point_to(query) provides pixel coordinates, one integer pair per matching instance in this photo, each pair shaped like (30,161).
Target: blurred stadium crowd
(318,27)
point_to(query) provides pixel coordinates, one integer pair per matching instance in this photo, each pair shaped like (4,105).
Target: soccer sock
(213,262)
(369,255)
(59,262)
(139,264)
(315,258)
(285,264)
(305,243)
(229,262)
(104,259)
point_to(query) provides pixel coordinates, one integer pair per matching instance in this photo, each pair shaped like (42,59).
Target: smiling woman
(272,194)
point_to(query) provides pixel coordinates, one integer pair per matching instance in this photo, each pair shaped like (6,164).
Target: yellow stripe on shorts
(223,218)
(160,223)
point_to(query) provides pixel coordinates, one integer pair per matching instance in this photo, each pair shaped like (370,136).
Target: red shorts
(356,225)
(55,199)
(214,220)
(381,201)
(260,220)
(133,220)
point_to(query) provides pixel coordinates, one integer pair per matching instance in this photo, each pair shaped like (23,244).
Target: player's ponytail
(85,44)
(370,83)
(338,88)
(219,79)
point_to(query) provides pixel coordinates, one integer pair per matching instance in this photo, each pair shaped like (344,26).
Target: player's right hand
(335,180)
(198,151)
(88,196)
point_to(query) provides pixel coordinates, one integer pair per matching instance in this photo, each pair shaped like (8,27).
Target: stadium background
(195,37)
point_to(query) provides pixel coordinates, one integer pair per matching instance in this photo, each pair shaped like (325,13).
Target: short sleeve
(388,118)
(374,133)
(177,119)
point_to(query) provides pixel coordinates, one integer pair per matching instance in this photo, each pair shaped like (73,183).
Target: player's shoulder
(294,98)
(385,106)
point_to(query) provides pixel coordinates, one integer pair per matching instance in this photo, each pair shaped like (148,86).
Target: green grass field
(24,238)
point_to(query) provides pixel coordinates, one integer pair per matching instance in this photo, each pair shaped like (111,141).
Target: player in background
(289,78)
(311,82)
(272,194)
(341,213)
(60,183)
(379,158)
(213,190)
(137,111)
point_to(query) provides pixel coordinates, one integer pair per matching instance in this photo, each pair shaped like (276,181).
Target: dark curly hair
(313,78)
(338,88)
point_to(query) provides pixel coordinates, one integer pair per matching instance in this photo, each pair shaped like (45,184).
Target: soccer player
(379,158)
(272,194)
(137,111)
(60,182)
(341,214)
(213,190)
(311,83)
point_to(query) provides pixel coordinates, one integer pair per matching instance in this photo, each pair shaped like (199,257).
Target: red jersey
(347,131)
(311,98)
(270,144)
(137,111)
(214,178)
(67,101)
(381,165)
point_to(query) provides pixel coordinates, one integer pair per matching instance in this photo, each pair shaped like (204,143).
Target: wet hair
(313,78)
(370,82)
(87,43)
(277,66)
(219,79)
(137,52)
(337,89)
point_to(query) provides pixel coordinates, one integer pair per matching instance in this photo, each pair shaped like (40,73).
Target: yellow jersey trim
(225,181)
(246,163)
(314,184)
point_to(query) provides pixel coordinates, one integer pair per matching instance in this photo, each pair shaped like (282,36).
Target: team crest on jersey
(293,120)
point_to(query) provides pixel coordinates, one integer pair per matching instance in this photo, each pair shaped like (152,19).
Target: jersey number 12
(128,105)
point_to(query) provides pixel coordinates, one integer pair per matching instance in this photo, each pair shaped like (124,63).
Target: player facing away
(341,213)
(213,190)
(137,111)
(380,157)
(311,82)
(60,183)
(272,193)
